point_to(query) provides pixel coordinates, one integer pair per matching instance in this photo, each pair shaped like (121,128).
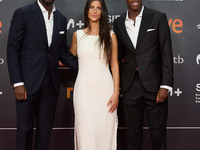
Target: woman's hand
(113,102)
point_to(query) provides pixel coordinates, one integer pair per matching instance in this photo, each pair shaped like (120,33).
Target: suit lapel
(39,21)
(146,22)
(124,33)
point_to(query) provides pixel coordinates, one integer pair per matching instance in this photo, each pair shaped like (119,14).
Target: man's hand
(20,93)
(162,95)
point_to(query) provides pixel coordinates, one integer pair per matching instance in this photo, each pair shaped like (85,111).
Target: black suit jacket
(28,54)
(152,55)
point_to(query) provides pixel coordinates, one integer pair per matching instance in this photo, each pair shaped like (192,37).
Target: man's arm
(120,45)
(166,50)
(15,40)
(14,44)
(66,57)
(167,60)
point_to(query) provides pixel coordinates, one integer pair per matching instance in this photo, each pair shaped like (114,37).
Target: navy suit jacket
(152,55)
(28,54)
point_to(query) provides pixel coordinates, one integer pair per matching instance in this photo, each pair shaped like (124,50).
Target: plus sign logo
(1,93)
(1,0)
(176,92)
(72,23)
(80,24)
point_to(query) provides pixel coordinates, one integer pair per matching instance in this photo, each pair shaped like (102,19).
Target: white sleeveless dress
(95,127)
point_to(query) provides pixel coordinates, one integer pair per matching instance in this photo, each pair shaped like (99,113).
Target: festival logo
(111,18)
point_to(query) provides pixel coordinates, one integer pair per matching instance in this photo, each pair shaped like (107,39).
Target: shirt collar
(43,9)
(140,15)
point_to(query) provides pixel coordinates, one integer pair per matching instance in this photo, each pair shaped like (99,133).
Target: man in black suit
(36,43)
(147,72)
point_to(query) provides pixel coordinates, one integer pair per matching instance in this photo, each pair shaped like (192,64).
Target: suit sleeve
(166,50)
(120,45)
(15,40)
(66,57)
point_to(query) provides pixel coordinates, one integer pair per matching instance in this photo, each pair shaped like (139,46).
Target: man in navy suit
(147,72)
(36,43)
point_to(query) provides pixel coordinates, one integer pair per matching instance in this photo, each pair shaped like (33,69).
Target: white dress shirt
(49,28)
(132,28)
(48,21)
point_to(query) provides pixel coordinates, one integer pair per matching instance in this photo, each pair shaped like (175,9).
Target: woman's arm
(114,100)
(73,48)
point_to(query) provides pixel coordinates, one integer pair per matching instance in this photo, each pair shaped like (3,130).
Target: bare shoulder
(75,34)
(113,37)
(74,37)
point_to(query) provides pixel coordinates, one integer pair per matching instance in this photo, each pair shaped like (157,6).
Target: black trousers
(39,106)
(135,101)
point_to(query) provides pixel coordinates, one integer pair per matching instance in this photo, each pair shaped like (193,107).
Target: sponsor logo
(80,24)
(1,0)
(198,26)
(1,61)
(197,95)
(1,93)
(198,59)
(176,92)
(176,25)
(178,60)
(69,92)
(0,26)
(71,24)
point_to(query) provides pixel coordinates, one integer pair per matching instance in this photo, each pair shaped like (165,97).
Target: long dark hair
(104,27)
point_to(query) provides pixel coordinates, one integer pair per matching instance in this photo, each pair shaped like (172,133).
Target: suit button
(137,54)
(44,66)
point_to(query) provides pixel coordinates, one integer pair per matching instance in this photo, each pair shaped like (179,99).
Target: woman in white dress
(96,89)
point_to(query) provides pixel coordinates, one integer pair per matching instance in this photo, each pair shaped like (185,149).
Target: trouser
(135,101)
(39,106)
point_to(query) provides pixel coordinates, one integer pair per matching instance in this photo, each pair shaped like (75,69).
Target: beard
(48,3)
